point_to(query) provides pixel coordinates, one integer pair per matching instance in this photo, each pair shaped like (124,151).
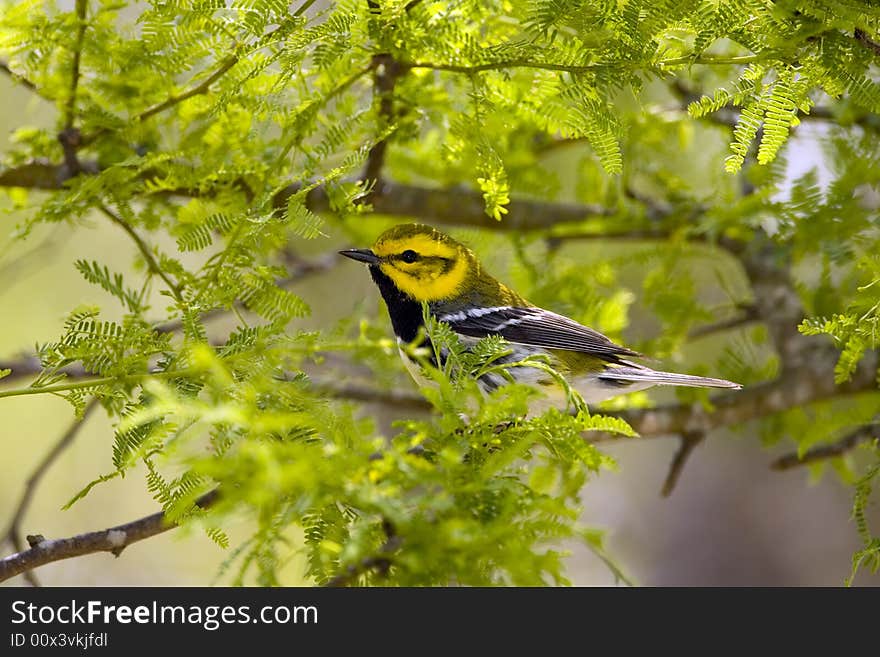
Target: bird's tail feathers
(647,375)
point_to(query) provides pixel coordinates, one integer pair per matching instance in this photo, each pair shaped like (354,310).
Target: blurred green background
(730,521)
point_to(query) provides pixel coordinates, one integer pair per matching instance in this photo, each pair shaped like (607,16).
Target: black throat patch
(406,313)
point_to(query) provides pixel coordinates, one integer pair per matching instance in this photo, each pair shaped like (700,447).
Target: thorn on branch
(34,539)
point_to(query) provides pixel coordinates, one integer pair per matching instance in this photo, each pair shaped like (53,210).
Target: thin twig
(17,267)
(365,565)
(304,7)
(171,101)
(93,382)
(201,88)
(712,60)
(13,531)
(25,366)
(824,452)
(688,442)
(114,540)
(747,315)
(152,265)
(298,270)
(70,105)
(380,562)
(20,79)
(498,66)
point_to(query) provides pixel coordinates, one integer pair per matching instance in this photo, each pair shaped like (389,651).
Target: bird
(414,264)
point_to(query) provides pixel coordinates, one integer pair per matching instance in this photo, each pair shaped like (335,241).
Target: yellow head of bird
(421,261)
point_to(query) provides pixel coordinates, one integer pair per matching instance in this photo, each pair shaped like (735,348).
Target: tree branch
(304,7)
(386,72)
(38,174)
(450,206)
(13,530)
(382,564)
(458,206)
(396,398)
(204,86)
(642,234)
(497,66)
(688,442)
(863,38)
(778,304)
(823,452)
(114,540)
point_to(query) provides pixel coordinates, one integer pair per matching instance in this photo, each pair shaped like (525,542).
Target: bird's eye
(409,256)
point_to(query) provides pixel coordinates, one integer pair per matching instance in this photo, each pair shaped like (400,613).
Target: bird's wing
(534,326)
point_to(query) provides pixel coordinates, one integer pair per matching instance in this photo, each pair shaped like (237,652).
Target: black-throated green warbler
(414,263)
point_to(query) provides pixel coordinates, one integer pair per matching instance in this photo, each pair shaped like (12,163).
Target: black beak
(361,255)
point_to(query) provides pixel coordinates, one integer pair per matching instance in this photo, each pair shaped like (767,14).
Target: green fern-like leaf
(744,134)
(200,236)
(781,115)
